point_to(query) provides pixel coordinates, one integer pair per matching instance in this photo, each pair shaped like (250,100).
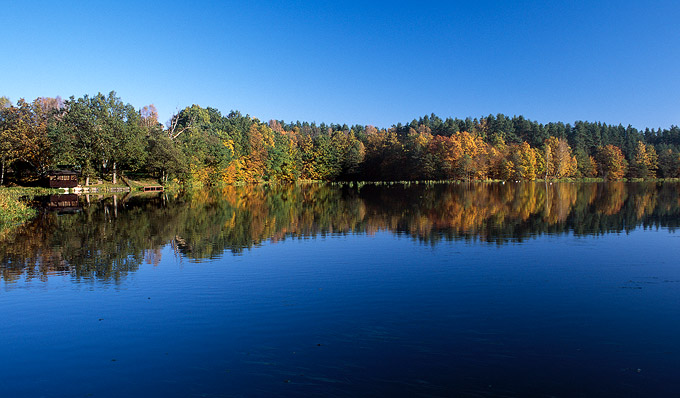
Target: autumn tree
(645,163)
(558,159)
(611,163)
(37,147)
(385,155)
(498,164)
(5,102)
(523,159)
(445,152)
(10,139)
(149,116)
(23,135)
(420,161)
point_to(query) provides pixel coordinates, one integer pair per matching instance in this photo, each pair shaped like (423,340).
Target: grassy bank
(13,207)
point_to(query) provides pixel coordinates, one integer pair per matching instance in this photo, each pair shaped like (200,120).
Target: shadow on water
(107,237)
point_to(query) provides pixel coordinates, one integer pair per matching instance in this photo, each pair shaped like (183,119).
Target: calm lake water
(461,290)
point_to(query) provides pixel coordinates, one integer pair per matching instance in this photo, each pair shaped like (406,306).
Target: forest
(103,137)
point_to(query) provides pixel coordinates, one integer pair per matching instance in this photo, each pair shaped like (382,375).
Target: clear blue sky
(355,61)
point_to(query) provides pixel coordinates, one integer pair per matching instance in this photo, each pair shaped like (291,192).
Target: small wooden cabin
(62,178)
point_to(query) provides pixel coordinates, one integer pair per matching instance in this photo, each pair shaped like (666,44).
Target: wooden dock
(153,188)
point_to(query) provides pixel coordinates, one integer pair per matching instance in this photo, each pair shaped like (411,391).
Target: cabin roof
(62,172)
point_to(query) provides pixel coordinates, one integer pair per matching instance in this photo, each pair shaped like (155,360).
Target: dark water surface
(462,290)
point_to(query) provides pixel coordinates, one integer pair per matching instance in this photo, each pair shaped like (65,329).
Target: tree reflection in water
(108,237)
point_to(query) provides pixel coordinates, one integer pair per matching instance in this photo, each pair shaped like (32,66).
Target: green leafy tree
(669,162)
(81,138)
(164,158)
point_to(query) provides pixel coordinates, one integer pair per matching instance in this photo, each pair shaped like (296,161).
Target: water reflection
(105,238)
(68,203)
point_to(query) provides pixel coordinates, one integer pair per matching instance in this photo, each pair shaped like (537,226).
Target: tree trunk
(2,176)
(114,172)
(87,180)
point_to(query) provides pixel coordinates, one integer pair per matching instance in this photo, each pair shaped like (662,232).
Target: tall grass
(13,207)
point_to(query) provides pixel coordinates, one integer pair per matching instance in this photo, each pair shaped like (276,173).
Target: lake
(432,290)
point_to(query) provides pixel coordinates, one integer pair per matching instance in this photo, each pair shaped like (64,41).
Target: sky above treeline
(355,62)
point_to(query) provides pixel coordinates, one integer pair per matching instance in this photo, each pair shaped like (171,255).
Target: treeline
(102,136)
(125,232)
